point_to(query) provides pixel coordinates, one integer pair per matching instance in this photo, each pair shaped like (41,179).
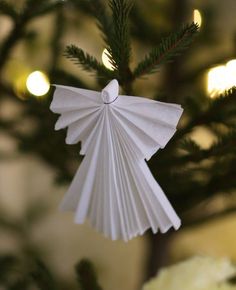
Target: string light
(231,69)
(197,17)
(37,83)
(105,59)
(221,78)
(217,80)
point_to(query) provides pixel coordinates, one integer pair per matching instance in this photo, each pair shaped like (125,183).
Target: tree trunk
(159,244)
(158,252)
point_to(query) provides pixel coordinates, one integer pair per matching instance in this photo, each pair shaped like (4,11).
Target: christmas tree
(148,57)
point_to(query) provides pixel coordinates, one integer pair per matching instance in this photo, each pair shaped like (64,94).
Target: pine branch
(227,101)
(21,283)
(34,9)
(190,146)
(11,40)
(96,8)
(66,78)
(7,264)
(119,46)
(42,277)
(86,276)
(194,105)
(8,9)
(224,146)
(195,192)
(31,10)
(225,107)
(56,45)
(47,8)
(168,49)
(116,36)
(86,61)
(150,34)
(189,75)
(33,5)
(103,21)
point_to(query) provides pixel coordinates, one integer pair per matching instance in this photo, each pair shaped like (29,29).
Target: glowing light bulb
(105,59)
(221,78)
(231,70)
(197,17)
(37,83)
(217,80)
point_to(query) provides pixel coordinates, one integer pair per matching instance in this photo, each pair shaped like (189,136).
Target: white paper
(113,187)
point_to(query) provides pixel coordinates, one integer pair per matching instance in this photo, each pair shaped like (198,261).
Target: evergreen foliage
(18,274)
(42,277)
(86,276)
(7,9)
(192,176)
(168,49)
(86,61)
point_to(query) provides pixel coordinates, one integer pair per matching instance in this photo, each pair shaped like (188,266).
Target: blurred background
(197,170)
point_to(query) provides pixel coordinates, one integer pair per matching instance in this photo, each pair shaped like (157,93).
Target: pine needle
(86,61)
(168,49)
(119,46)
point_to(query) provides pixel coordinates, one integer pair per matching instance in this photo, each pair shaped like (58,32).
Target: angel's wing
(79,111)
(148,124)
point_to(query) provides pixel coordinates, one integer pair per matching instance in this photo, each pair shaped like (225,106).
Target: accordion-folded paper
(113,187)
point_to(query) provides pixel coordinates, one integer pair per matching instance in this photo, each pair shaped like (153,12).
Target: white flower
(197,273)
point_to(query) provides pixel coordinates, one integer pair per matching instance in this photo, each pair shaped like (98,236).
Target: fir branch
(190,146)
(103,21)
(139,22)
(33,5)
(86,61)
(215,181)
(117,39)
(167,50)
(37,8)
(86,276)
(21,283)
(47,9)
(56,45)
(225,146)
(7,263)
(31,10)
(119,43)
(8,9)
(42,277)
(225,107)
(67,78)
(226,99)
(16,34)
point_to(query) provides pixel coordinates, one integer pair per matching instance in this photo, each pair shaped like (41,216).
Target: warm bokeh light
(105,60)
(231,70)
(37,83)
(217,80)
(197,17)
(221,78)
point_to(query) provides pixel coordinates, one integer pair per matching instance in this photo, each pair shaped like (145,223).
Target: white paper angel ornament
(113,187)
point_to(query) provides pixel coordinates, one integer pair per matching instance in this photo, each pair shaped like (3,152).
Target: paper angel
(113,187)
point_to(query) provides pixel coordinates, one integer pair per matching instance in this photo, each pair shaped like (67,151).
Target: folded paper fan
(113,187)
